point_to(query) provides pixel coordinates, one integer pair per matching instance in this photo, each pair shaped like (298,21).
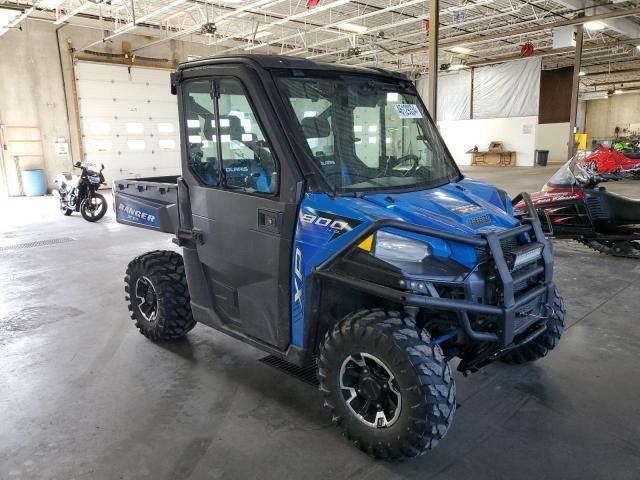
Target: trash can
(542,157)
(33,183)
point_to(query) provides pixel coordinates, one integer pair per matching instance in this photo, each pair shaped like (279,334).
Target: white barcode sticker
(407,110)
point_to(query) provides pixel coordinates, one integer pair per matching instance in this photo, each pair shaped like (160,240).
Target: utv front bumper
(517,297)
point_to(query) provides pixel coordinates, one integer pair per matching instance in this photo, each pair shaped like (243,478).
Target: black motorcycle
(80,193)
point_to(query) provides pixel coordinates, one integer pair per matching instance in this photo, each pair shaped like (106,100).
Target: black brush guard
(505,314)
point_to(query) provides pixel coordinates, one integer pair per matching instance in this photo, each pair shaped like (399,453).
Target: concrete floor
(83,395)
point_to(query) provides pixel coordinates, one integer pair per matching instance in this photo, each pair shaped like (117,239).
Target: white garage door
(129,120)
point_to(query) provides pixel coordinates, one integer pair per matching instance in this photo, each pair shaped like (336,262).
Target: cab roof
(272,62)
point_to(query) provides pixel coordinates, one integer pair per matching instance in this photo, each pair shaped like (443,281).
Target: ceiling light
(457,66)
(594,26)
(582,73)
(262,34)
(638,47)
(352,27)
(617,92)
(50,4)
(461,50)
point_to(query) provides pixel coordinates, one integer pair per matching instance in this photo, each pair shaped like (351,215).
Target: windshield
(565,176)
(367,134)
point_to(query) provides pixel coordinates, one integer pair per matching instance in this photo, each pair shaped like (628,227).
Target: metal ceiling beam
(332,25)
(613,72)
(131,25)
(73,12)
(621,25)
(534,28)
(296,16)
(554,52)
(623,82)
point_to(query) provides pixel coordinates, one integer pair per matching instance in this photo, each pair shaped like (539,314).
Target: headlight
(395,248)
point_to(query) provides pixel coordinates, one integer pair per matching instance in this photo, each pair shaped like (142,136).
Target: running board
(307,374)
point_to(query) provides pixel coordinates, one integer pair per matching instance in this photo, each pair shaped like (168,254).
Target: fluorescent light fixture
(352,27)
(246,137)
(309,114)
(373,139)
(457,66)
(461,50)
(50,4)
(582,73)
(372,128)
(392,97)
(617,92)
(263,34)
(357,128)
(594,26)
(638,47)
(192,123)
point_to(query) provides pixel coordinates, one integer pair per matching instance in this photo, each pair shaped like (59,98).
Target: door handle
(269,221)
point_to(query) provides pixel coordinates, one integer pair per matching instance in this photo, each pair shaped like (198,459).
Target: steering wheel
(404,159)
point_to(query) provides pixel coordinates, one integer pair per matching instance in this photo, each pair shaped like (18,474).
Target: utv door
(243,199)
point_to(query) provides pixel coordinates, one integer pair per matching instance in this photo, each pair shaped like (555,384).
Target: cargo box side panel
(144,212)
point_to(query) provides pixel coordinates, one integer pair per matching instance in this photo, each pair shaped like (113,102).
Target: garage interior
(521,87)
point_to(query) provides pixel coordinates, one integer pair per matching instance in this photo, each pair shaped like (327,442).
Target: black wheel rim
(370,390)
(147,299)
(93,206)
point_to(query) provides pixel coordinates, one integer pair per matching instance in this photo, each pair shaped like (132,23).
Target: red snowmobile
(571,205)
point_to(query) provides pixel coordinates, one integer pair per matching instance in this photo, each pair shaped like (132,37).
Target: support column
(434,30)
(575,87)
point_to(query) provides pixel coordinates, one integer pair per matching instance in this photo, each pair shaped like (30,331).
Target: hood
(465,208)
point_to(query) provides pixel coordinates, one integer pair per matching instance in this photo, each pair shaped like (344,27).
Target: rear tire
(158,295)
(542,345)
(93,208)
(391,392)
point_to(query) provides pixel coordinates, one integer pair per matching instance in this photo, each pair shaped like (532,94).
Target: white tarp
(510,89)
(454,94)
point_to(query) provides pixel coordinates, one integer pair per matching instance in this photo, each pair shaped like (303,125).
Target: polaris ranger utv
(322,219)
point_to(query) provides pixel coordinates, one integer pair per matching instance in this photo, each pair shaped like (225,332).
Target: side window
(247,158)
(201,137)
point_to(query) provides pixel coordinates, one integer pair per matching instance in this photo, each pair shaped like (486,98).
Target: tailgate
(148,203)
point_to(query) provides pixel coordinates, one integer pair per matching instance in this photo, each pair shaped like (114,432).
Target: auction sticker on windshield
(407,110)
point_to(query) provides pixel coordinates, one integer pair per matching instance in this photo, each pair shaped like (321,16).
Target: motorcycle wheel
(64,210)
(93,208)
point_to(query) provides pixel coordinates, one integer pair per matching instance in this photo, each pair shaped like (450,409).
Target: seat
(622,208)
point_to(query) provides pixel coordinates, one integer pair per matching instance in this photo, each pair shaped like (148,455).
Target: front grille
(509,243)
(481,220)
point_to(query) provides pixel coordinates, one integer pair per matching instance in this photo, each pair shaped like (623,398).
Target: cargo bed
(147,202)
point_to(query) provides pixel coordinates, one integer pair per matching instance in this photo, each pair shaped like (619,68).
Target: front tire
(542,345)
(158,295)
(389,389)
(64,210)
(93,208)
